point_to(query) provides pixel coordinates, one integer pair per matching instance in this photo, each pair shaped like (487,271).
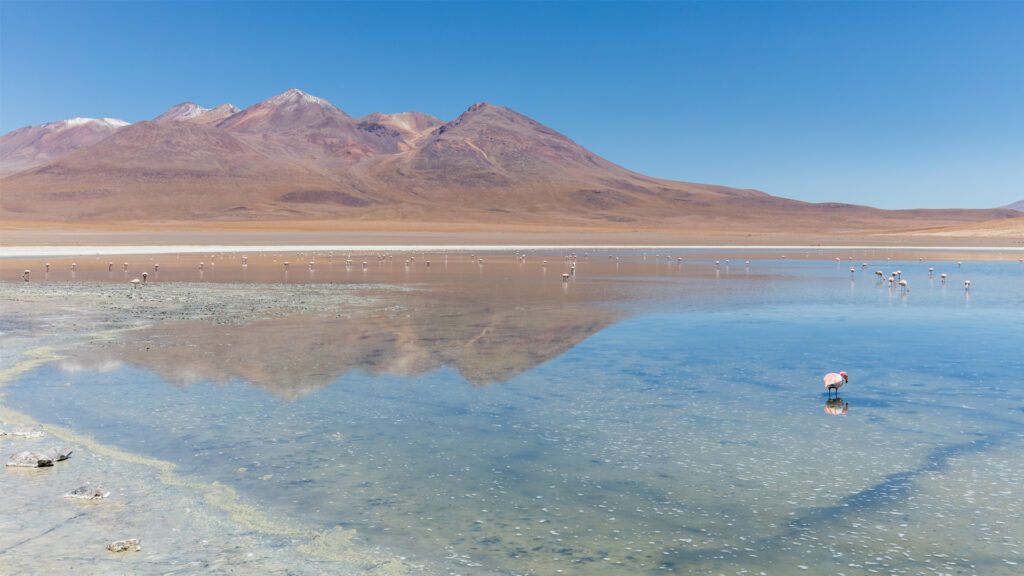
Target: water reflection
(836,407)
(293,356)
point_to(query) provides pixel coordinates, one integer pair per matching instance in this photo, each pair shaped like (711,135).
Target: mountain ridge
(296,156)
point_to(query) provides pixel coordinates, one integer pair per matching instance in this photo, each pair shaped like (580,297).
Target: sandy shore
(151,249)
(376,234)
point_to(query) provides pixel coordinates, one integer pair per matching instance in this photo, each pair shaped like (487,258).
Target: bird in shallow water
(835,381)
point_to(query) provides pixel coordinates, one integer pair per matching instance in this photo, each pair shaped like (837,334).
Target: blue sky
(895,105)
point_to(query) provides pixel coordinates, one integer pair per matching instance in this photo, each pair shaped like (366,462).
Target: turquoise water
(685,433)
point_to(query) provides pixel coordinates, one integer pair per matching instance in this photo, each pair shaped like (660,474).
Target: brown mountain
(310,130)
(35,145)
(492,158)
(155,171)
(296,156)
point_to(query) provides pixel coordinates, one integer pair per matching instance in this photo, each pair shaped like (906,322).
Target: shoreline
(30,251)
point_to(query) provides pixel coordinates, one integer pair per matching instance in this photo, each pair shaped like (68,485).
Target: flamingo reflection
(836,406)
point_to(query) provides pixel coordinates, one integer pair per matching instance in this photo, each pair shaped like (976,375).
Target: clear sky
(896,105)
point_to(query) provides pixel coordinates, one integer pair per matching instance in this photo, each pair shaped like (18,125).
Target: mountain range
(298,157)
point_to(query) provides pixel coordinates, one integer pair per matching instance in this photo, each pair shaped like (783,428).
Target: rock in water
(125,545)
(89,492)
(58,454)
(30,460)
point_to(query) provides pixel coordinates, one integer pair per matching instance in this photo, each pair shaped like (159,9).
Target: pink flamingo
(835,381)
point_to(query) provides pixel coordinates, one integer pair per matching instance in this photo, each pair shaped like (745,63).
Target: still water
(646,416)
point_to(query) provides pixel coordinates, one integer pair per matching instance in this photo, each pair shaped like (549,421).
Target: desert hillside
(296,157)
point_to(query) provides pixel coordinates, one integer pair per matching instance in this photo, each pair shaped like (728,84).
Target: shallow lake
(647,415)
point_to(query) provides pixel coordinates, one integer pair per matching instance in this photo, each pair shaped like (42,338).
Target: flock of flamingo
(895,278)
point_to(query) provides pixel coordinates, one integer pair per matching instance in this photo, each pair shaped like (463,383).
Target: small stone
(131,545)
(30,460)
(89,492)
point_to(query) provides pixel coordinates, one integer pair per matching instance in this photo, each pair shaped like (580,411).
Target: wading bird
(835,381)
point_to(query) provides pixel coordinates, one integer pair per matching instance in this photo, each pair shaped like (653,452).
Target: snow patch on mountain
(295,97)
(75,122)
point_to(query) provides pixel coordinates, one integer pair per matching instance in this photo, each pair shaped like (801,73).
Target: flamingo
(835,381)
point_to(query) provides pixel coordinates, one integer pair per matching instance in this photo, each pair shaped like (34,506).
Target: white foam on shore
(105,250)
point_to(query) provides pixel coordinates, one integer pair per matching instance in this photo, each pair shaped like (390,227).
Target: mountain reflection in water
(290,357)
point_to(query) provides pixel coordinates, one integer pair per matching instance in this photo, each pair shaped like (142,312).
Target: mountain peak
(227,107)
(486,114)
(294,96)
(181,113)
(479,107)
(290,109)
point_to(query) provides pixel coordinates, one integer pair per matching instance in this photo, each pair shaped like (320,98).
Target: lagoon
(655,413)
